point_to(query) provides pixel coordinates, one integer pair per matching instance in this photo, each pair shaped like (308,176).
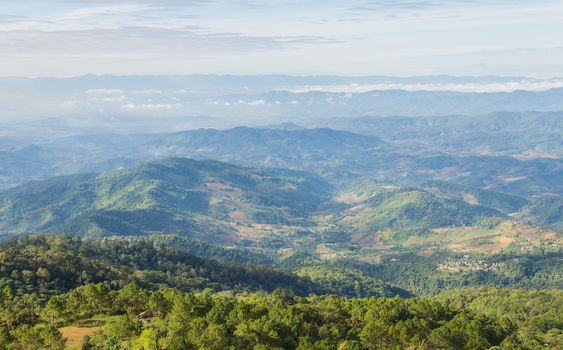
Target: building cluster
(465,265)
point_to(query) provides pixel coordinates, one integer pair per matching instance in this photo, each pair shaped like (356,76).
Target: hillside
(546,211)
(425,240)
(503,202)
(51,265)
(411,208)
(441,271)
(209,199)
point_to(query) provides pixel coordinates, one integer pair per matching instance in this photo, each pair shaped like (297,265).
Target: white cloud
(68,104)
(256,103)
(119,99)
(89,12)
(146,92)
(104,92)
(528,85)
(151,106)
(132,42)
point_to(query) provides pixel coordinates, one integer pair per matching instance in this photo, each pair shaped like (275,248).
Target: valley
(110,239)
(301,222)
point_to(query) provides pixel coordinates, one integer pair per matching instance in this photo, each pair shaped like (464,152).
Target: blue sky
(355,37)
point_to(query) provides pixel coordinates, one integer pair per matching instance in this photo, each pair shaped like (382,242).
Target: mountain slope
(338,156)
(492,199)
(173,195)
(546,211)
(411,208)
(50,265)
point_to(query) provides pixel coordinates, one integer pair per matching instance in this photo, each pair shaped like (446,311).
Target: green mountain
(207,199)
(411,208)
(546,211)
(497,200)
(50,265)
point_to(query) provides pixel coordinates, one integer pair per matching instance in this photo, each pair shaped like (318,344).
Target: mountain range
(338,156)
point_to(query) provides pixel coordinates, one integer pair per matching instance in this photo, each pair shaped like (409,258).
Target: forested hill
(51,265)
(409,157)
(133,318)
(413,208)
(171,195)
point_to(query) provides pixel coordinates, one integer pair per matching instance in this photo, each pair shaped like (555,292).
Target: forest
(136,318)
(122,294)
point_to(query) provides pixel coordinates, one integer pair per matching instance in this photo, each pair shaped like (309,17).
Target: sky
(354,37)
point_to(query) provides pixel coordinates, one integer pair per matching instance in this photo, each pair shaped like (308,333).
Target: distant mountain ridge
(338,156)
(164,103)
(529,134)
(321,150)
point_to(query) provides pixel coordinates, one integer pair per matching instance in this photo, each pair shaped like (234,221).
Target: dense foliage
(134,318)
(537,313)
(49,265)
(419,275)
(350,282)
(211,251)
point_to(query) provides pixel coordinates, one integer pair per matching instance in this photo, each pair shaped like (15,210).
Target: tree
(148,340)
(113,343)
(133,299)
(87,343)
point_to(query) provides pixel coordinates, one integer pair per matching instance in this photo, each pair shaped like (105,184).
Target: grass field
(75,333)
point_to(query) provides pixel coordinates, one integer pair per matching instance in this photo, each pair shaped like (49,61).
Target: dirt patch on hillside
(224,187)
(351,198)
(239,216)
(477,246)
(370,241)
